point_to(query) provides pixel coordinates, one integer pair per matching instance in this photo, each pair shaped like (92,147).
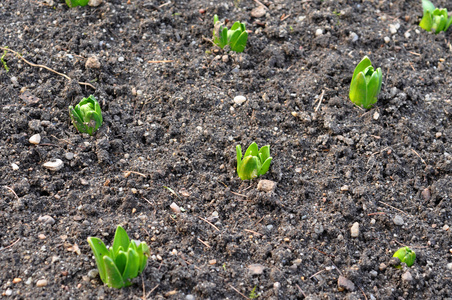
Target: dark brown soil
(175,124)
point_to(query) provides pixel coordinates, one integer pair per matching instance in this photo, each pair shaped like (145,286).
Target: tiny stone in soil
(398,220)
(41,282)
(354,231)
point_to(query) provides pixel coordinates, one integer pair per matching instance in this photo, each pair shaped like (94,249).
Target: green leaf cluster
(255,162)
(86,116)
(434,19)
(124,261)
(406,255)
(74,3)
(366,84)
(235,38)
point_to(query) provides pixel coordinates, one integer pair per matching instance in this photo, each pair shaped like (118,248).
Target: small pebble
(92,63)
(212,262)
(398,220)
(266,185)
(446,227)
(239,99)
(319,32)
(202,11)
(175,208)
(225,58)
(54,165)
(449,266)
(69,155)
(17,280)
(190,297)
(387,39)
(93,273)
(41,236)
(46,219)
(318,228)
(407,276)
(35,139)
(344,188)
(256,269)
(354,231)
(353,36)
(41,283)
(376,115)
(120,59)
(14,166)
(8,292)
(345,284)
(426,194)
(94,2)
(258,12)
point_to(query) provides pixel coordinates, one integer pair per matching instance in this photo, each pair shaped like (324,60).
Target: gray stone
(398,220)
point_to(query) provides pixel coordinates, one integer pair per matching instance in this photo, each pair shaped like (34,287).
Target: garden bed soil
(170,131)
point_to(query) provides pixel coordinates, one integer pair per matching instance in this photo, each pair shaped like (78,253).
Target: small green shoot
(123,261)
(86,116)
(3,60)
(434,19)
(255,162)
(366,84)
(172,191)
(253,294)
(235,38)
(406,255)
(74,3)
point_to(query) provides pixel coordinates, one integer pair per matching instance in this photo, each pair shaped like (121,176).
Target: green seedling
(366,84)
(255,162)
(235,38)
(3,60)
(406,255)
(86,116)
(124,260)
(74,3)
(434,19)
(253,294)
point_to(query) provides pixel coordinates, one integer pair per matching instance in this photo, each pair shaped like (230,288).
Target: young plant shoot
(406,255)
(255,162)
(86,116)
(124,260)
(434,19)
(235,38)
(366,84)
(74,3)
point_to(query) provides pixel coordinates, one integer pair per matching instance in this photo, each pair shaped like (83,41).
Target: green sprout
(235,38)
(255,162)
(434,19)
(74,3)
(3,59)
(124,260)
(86,116)
(366,84)
(253,294)
(406,255)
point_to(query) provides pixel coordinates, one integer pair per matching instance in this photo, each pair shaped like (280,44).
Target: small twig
(165,4)
(10,245)
(205,244)
(144,288)
(237,289)
(284,17)
(127,173)
(414,53)
(247,230)
(12,191)
(148,201)
(377,213)
(210,224)
(44,67)
(147,296)
(300,290)
(319,272)
(324,253)
(419,156)
(239,194)
(320,101)
(159,61)
(259,221)
(394,208)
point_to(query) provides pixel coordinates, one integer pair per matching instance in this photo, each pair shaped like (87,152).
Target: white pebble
(175,208)
(387,39)
(14,166)
(8,292)
(94,2)
(376,115)
(319,32)
(41,283)
(449,266)
(54,165)
(446,227)
(398,220)
(354,231)
(407,35)
(35,139)
(121,59)
(353,36)
(239,99)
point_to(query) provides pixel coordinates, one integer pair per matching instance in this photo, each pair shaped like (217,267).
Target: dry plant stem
(127,173)
(394,208)
(210,224)
(204,243)
(12,191)
(419,156)
(251,231)
(320,101)
(238,292)
(11,245)
(261,4)
(147,296)
(239,194)
(44,67)
(159,61)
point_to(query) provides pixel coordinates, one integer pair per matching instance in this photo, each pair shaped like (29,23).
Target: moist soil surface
(170,131)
